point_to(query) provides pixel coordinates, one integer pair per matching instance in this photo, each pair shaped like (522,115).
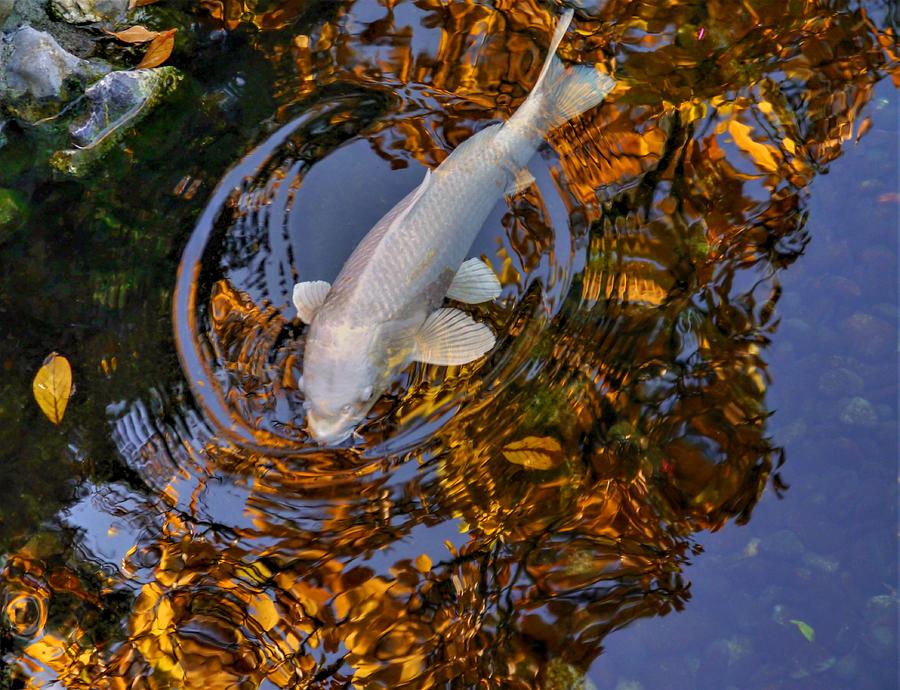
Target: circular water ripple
(25,614)
(268,224)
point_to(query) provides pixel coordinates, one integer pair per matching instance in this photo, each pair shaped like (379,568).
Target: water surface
(677,469)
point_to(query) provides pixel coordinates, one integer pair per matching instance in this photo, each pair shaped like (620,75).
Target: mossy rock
(13,212)
(118,102)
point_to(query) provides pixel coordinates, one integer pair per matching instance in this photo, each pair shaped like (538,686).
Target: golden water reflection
(574,465)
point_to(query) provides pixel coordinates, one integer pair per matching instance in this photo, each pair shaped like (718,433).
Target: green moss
(13,212)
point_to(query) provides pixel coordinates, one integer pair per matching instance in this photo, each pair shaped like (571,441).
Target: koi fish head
(341,381)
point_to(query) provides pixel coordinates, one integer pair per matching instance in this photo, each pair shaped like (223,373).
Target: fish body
(384,309)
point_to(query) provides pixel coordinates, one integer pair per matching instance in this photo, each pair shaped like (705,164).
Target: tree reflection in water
(622,411)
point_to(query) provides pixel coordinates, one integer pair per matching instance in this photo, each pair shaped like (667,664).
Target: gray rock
(88,11)
(34,13)
(858,412)
(117,102)
(36,73)
(37,65)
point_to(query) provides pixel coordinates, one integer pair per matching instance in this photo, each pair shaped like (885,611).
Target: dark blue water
(826,553)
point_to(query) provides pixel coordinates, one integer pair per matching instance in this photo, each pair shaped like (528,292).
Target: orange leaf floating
(52,387)
(535,452)
(760,153)
(135,34)
(159,50)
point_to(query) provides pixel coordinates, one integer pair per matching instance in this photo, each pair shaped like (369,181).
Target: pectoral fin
(521,181)
(474,283)
(449,337)
(308,297)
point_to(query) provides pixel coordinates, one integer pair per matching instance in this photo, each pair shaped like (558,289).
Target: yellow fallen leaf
(423,563)
(52,387)
(760,153)
(265,612)
(134,34)
(535,452)
(159,50)
(140,3)
(47,649)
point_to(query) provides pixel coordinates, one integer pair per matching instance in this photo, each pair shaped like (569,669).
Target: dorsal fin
(409,205)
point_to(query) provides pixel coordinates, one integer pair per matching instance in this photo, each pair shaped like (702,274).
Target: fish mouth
(328,432)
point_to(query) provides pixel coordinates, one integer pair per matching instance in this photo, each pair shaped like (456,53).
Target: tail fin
(566,93)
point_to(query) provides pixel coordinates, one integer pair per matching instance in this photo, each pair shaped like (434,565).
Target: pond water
(677,468)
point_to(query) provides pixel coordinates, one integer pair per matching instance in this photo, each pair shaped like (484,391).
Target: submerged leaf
(140,3)
(135,34)
(52,387)
(159,49)
(535,452)
(805,629)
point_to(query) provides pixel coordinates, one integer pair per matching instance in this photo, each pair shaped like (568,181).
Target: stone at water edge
(119,98)
(118,101)
(36,74)
(88,11)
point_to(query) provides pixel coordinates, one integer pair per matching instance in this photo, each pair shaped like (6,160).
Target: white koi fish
(384,310)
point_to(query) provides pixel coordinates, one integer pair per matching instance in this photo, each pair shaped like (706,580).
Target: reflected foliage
(622,411)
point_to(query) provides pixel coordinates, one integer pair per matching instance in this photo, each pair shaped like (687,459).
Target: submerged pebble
(840,381)
(858,412)
(869,334)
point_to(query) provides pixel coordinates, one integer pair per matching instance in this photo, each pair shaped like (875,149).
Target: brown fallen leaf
(159,50)
(52,386)
(135,34)
(140,3)
(535,452)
